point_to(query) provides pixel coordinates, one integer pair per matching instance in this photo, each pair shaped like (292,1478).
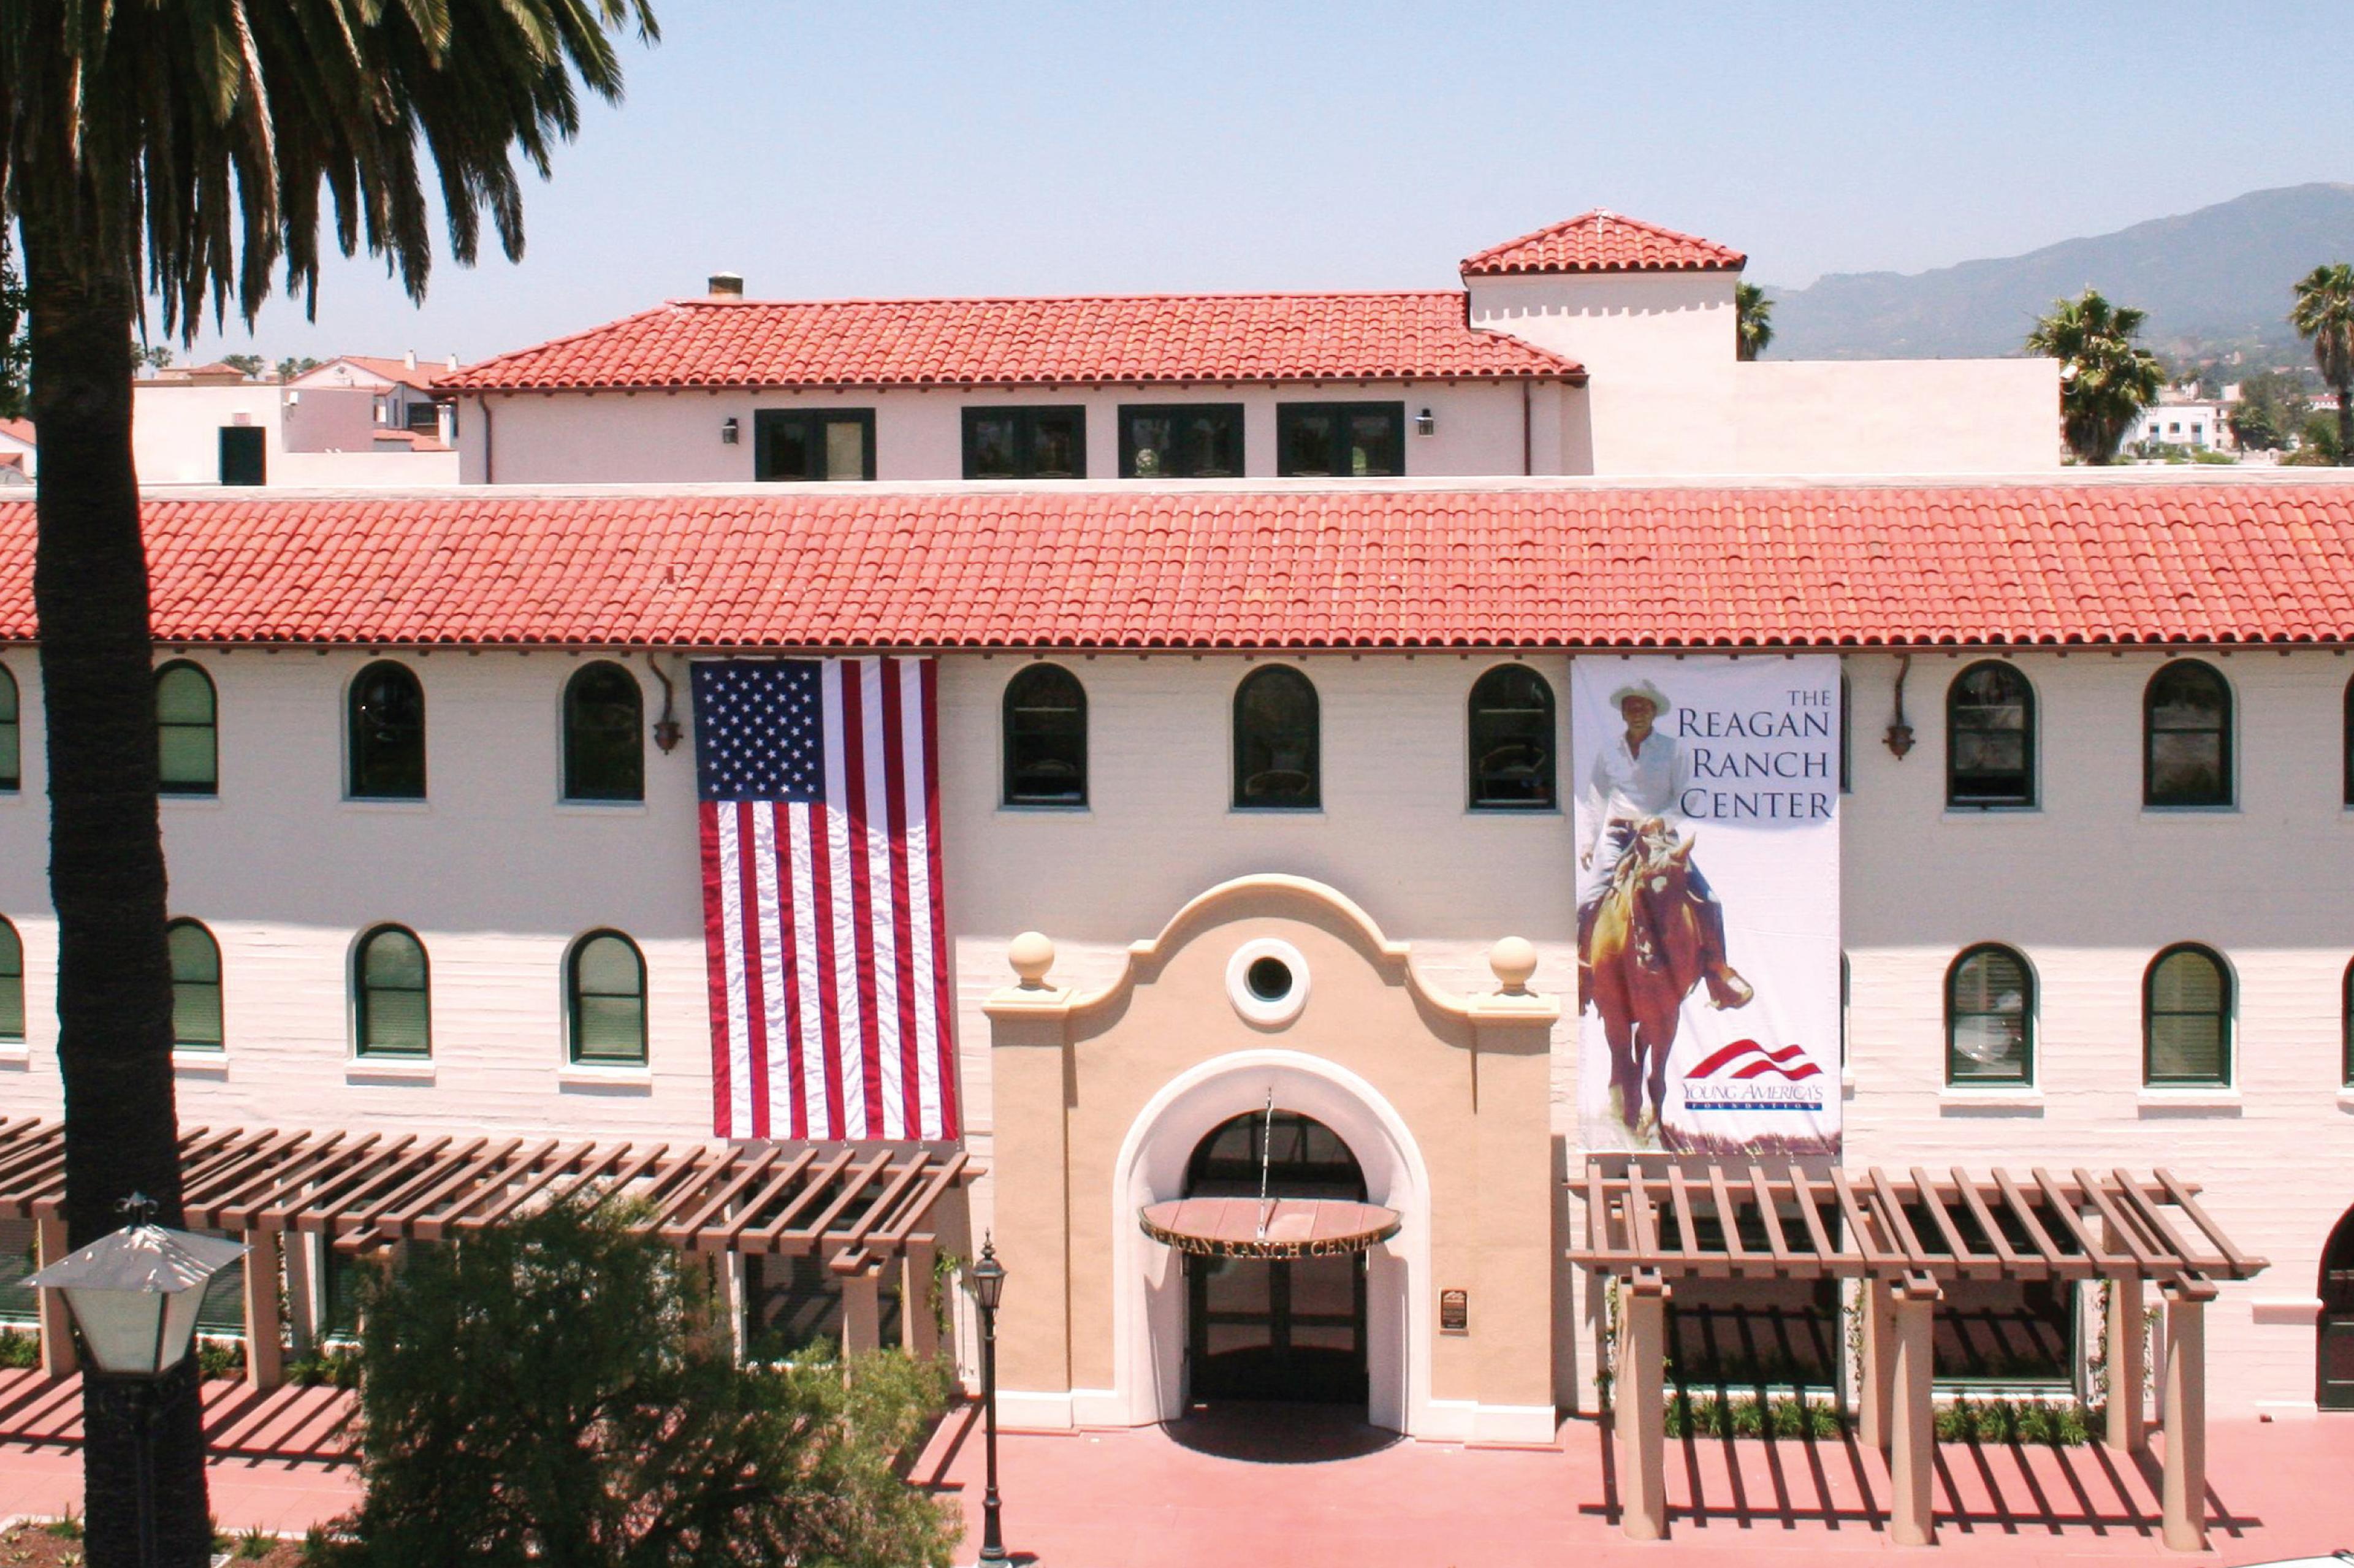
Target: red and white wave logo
(1745,1059)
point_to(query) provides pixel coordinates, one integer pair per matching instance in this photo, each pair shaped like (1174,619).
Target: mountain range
(2213,280)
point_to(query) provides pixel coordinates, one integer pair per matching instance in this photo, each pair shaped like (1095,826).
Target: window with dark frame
(1181,440)
(12,983)
(1512,740)
(1046,737)
(2186,737)
(605,986)
(2346,735)
(386,750)
(187,736)
(2187,1018)
(1991,738)
(1277,742)
(809,445)
(1989,1018)
(392,995)
(604,748)
(195,987)
(2345,1019)
(12,737)
(1025,444)
(1339,441)
(244,455)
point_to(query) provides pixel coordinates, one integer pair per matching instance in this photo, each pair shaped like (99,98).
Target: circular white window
(1267,980)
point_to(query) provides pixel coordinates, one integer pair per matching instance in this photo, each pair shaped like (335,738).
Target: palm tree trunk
(2345,424)
(106,850)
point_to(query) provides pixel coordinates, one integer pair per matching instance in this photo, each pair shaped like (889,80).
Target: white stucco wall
(671,437)
(1897,415)
(497,877)
(319,436)
(176,431)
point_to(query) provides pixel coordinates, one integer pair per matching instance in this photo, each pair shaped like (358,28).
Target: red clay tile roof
(1601,241)
(22,429)
(422,377)
(1099,340)
(1306,567)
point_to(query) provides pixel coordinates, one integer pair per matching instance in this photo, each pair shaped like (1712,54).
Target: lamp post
(987,1278)
(134,1295)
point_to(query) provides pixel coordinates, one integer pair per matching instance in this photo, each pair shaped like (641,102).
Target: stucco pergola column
(862,1312)
(2183,1495)
(1912,1448)
(57,1358)
(919,1331)
(264,1355)
(1639,1409)
(1879,1373)
(2122,1345)
(1029,1045)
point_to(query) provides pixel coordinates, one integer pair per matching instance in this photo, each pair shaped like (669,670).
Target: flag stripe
(824,932)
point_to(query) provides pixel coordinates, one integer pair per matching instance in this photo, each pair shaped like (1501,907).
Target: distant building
(2201,424)
(352,422)
(19,454)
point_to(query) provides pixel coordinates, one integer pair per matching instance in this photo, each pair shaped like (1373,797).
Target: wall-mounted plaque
(1454,1311)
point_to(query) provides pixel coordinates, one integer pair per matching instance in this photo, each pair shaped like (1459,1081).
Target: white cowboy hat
(1660,706)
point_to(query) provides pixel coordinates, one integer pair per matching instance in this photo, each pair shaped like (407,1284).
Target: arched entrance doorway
(2334,1374)
(1276,1329)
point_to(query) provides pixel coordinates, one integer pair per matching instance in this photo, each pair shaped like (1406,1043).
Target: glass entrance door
(2336,1374)
(1278,1330)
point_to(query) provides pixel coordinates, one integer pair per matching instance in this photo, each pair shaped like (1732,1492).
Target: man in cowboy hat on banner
(1636,780)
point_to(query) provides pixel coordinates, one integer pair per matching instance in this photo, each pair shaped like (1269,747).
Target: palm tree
(1752,317)
(2324,314)
(2104,380)
(197,139)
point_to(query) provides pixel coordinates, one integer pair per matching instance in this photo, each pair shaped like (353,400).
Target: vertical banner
(1708,880)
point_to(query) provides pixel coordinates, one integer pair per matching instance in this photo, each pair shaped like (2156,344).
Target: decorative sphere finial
(1031,955)
(1514,959)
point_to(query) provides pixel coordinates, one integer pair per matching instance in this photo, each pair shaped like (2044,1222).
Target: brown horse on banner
(1647,950)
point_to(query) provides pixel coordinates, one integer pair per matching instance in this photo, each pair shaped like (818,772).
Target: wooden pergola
(1651,1222)
(863,1209)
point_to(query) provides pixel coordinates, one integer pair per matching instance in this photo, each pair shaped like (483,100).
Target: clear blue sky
(849,149)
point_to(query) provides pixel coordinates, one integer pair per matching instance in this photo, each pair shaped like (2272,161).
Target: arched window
(604,758)
(391,1001)
(1989,1018)
(2187,1018)
(2345,1014)
(2347,736)
(1512,740)
(12,984)
(1046,737)
(387,734)
(1991,738)
(1276,741)
(195,987)
(605,989)
(2186,737)
(12,746)
(186,733)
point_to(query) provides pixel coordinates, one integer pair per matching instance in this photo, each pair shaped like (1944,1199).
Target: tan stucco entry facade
(1100,1098)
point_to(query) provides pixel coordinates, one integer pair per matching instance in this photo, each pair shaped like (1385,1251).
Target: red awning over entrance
(1277,1228)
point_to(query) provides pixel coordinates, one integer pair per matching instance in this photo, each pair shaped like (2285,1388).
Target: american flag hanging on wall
(820,808)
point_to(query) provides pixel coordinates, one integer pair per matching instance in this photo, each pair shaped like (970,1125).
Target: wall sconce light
(730,432)
(1424,425)
(1900,734)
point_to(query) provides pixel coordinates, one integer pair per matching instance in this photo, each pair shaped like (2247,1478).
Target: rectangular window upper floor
(1025,444)
(1339,441)
(1181,440)
(808,444)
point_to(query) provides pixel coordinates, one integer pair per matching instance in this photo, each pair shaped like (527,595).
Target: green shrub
(554,1391)
(2208,454)
(19,1352)
(220,1358)
(1714,1416)
(2014,1421)
(337,1366)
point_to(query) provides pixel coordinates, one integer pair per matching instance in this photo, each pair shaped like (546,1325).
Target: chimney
(728,285)
(410,359)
